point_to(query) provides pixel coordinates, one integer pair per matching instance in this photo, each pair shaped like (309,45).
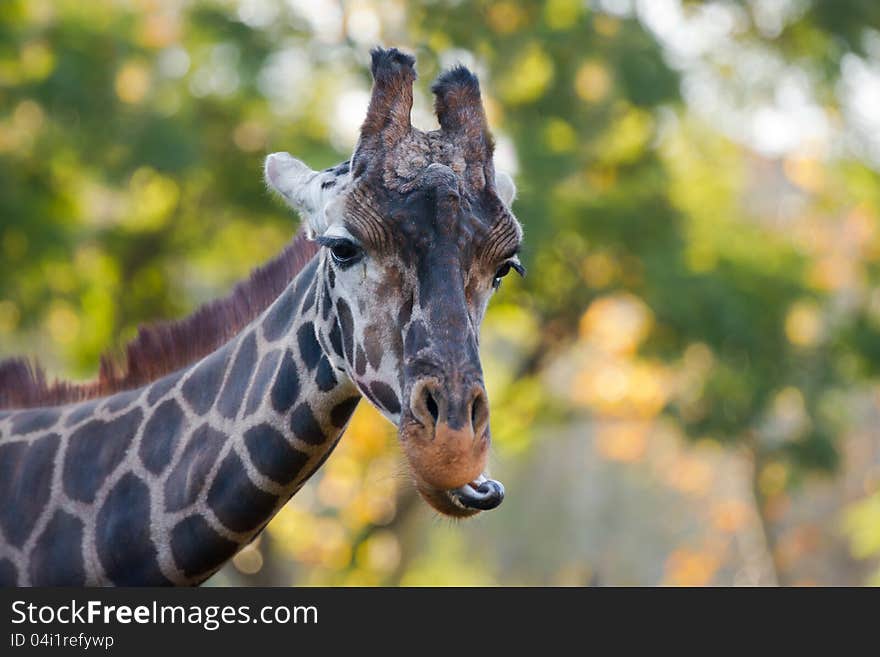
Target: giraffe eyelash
(511,264)
(345,252)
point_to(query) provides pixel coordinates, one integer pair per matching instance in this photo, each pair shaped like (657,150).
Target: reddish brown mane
(165,347)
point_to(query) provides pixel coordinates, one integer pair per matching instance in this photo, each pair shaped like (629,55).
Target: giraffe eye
(504,270)
(344,252)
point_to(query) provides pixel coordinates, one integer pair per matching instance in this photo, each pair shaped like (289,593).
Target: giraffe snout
(434,406)
(446,443)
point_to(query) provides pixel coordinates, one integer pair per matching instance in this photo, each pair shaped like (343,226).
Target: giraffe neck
(163,484)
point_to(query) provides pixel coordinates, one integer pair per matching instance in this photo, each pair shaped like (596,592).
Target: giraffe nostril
(431,403)
(426,404)
(479,413)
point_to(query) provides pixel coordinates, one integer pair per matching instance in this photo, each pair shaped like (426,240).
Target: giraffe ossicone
(160,473)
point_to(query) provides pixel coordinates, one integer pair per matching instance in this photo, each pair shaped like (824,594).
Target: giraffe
(161,470)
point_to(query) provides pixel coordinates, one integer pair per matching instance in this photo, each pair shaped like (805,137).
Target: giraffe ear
(505,188)
(306,191)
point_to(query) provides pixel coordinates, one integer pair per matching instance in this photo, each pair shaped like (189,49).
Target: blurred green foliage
(677,278)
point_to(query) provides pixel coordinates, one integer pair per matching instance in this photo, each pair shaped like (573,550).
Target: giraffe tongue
(481,494)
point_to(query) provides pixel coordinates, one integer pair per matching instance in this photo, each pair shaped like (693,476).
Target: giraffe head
(417,234)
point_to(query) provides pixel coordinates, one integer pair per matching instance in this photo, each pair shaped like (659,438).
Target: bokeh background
(685,388)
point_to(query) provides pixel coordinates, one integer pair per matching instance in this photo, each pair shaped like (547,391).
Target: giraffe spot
(336,339)
(304,279)
(309,349)
(161,435)
(120,400)
(280,315)
(25,479)
(405,313)
(360,361)
(8,574)
(161,387)
(416,338)
(285,390)
(386,396)
(341,413)
(203,384)
(272,455)
(36,420)
(346,323)
(93,452)
(305,427)
(309,299)
(373,345)
(57,559)
(369,395)
(234,498)
(80,413)
(122,536)
(325,378)
(326,303)
(262,380)
(190,475)
(197,548)
(239,377)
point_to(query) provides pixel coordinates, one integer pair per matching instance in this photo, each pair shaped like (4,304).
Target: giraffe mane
(163,347)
